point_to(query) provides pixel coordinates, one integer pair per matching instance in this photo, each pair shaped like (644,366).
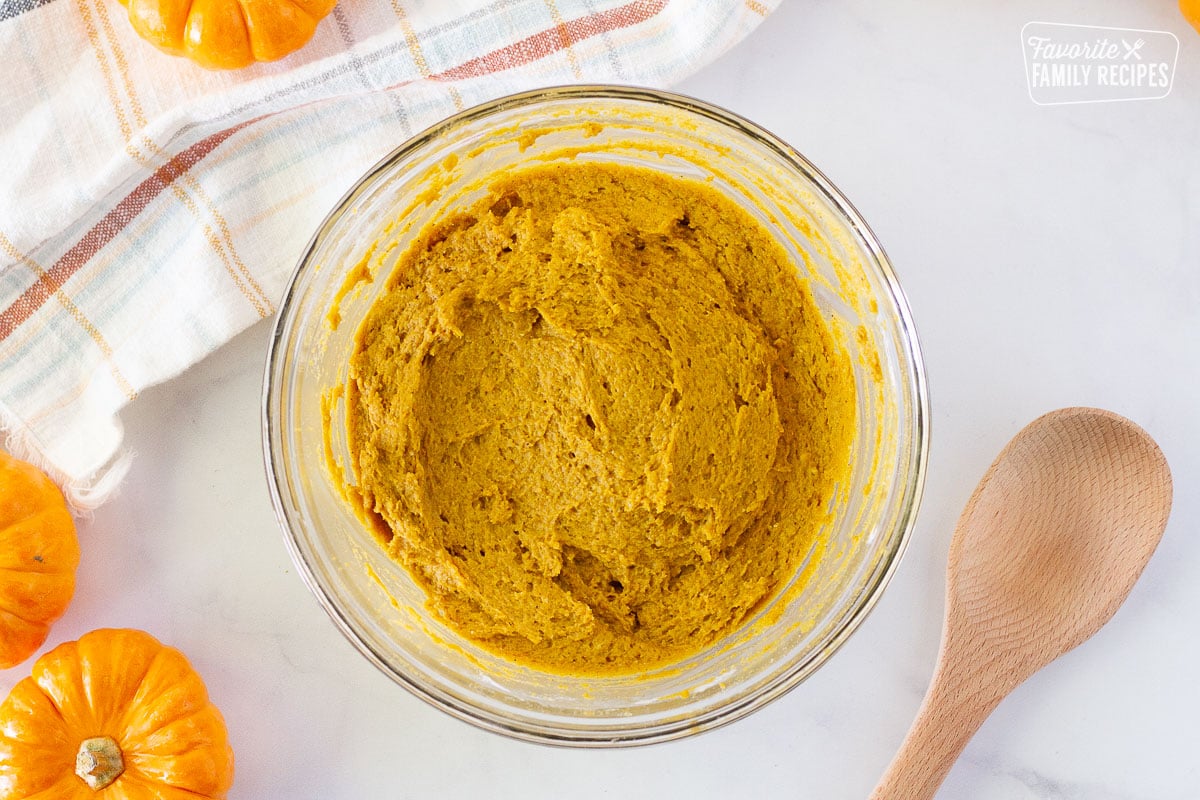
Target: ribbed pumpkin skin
(126,685)
(227,34)
(39,553)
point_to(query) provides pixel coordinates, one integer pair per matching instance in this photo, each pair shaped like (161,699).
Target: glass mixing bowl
(373,600)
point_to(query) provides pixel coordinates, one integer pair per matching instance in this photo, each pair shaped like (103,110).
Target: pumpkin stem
(99,762)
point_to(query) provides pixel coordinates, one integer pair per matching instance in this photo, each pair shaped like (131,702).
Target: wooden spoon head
(1054,538)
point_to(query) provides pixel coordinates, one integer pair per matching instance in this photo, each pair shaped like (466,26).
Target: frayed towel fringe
(83,496)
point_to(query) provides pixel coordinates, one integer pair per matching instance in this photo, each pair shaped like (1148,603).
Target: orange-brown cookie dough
(598,417)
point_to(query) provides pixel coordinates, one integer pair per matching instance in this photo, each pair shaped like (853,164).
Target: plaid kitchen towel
(150,209)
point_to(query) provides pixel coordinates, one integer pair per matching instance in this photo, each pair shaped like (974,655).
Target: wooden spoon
(1047,549)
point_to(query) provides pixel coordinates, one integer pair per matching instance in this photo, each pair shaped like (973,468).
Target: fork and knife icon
(1131,50)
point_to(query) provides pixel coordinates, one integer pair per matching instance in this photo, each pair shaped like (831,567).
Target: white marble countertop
(1052,258)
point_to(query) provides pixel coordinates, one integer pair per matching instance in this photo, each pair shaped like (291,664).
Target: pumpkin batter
(598,417)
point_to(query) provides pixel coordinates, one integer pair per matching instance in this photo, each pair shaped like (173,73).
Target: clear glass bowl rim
(487,719)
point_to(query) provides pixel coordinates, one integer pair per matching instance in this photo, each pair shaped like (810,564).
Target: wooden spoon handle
(954,708)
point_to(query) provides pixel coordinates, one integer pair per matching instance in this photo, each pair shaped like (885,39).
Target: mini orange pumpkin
(1191,12)
(39,554)
(227,34)
(116,715)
